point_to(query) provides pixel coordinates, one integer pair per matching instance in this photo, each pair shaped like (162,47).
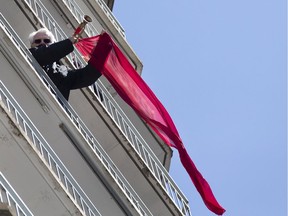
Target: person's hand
(73,39)
(86,58)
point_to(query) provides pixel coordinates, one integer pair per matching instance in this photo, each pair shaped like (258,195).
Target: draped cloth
(107,58)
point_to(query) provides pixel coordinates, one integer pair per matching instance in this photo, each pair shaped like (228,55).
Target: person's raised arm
(54,52)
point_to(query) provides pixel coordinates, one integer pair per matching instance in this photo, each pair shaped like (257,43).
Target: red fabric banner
(112,63)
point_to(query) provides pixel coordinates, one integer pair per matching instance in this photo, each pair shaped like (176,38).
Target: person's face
(40,39)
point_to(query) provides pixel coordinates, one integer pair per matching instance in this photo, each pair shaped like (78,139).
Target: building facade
(90,156)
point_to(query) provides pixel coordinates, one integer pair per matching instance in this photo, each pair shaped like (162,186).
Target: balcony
(70,122)
(143,156)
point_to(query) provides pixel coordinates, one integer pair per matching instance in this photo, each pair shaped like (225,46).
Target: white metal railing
(77,12)
(115,173)
(118,115)
(130,132)
(9,196)
(112,18)
(45,152)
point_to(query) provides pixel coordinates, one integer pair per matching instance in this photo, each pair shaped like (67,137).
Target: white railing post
(9,196)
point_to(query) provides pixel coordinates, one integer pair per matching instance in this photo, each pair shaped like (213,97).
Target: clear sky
(219,68)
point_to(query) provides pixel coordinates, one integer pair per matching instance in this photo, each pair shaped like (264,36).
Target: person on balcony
(48,53)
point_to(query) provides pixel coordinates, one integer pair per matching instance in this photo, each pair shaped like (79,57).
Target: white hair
(44,31)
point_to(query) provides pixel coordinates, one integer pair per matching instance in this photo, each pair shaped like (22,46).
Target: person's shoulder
(37,48)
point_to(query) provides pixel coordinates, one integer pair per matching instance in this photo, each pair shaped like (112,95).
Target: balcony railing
(111,168)
(9,196)
(78,14)
(45,152)
(117,114)
(130,132)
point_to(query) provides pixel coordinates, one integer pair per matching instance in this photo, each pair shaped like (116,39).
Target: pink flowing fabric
(111,62)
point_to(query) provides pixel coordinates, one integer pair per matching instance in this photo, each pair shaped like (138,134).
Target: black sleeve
(47,55)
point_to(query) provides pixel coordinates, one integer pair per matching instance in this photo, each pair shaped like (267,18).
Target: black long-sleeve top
(47,56)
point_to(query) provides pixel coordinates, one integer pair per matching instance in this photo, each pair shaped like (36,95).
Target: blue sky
(219,68)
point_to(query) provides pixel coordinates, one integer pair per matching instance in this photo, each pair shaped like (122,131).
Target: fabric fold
(107,58)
